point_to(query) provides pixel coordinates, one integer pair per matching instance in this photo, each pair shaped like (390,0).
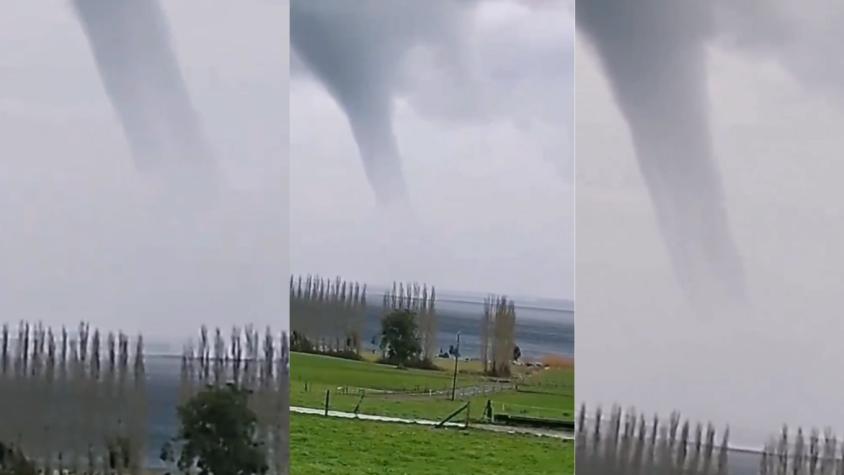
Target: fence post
(488,411)
(453,414)
(327,399)
(468,406)
(357,406)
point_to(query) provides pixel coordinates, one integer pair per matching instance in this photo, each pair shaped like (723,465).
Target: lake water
(743,462)
(163,398)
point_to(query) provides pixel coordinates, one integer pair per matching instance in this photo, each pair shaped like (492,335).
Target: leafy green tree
(218,434)
(399,338)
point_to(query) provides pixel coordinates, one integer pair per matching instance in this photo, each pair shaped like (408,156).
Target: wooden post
(456,357)
(468,406)
(357,406)
(488,411)
(327,399)
(450,416)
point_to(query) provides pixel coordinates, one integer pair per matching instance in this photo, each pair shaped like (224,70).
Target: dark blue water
(740,462)
(163,398)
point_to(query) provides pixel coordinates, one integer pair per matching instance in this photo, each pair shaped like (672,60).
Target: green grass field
(542,393)
(323,445)
(367,374)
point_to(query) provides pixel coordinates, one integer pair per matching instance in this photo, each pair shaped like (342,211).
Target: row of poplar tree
(73,402)
(76,402)
(328,316)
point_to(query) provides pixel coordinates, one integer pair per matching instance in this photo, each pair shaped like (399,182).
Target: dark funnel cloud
(467,102)
(652,52)
(774,73)
(131,45)
(355,48)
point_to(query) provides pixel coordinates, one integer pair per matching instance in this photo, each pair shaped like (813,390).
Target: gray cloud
(89,236)
(653,55)
(354,49)
(131,44)
(479,102)
(770,70)
(797,35)
(450,59)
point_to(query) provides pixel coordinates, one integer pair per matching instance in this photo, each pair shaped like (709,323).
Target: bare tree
(498,325)
(625,444)
(327,315)
(58,407)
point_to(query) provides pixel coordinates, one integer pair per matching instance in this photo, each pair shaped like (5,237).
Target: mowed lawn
(543,393)
(324,445)
(319,369)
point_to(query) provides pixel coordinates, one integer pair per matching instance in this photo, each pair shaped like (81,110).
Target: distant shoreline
(518,305)
(553,304)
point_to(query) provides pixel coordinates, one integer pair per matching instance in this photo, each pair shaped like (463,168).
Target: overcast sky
(87,236)
(482,114)
(774,102)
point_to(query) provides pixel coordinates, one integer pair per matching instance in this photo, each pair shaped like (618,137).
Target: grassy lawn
(544,393)
(322,445)
(546,405)
(365,374)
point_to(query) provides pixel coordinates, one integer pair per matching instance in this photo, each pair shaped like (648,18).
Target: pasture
(325,445)
(425,394)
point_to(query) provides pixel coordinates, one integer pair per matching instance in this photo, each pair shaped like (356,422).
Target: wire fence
(439,393)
